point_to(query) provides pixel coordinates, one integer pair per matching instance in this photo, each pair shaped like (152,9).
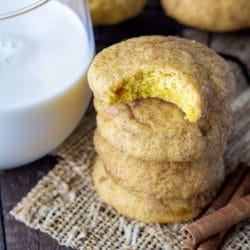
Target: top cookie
(176,70)
(114,11)
(211,15)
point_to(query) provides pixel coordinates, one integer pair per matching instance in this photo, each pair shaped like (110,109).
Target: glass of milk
(46,47)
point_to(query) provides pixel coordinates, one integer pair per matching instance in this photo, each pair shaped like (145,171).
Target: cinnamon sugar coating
(154,130)
(142,209)
(160,180)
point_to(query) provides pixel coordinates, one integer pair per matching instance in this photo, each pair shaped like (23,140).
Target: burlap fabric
(64,203)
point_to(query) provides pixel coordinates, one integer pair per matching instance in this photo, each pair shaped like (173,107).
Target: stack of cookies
(163,119)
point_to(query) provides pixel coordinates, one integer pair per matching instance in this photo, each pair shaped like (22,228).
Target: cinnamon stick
(214,242)
(225,217)
(227,191)
(229,187)
(188,245)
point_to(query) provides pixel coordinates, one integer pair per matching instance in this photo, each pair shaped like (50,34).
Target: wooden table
(14,184)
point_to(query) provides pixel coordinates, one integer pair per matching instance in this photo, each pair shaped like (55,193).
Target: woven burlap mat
(64,203)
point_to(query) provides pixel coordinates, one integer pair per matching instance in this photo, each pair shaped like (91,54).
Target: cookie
(176,70)
(160,180)
(210,15)
(142,209)
(155,130)
(105,12)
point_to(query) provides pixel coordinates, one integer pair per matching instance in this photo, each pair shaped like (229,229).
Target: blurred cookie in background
(107,12)
(210,15)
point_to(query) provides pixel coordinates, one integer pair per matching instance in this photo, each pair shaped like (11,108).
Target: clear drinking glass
(46,47)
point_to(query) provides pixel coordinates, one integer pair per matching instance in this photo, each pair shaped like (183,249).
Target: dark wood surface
(14,184)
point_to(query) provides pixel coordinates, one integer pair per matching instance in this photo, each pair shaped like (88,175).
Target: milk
(44,56)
